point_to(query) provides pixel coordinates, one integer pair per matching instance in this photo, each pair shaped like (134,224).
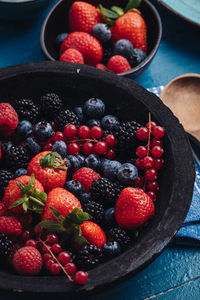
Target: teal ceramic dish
(187,9)
(20,9)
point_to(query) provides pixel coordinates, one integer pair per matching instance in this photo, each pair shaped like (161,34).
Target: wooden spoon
(182,96)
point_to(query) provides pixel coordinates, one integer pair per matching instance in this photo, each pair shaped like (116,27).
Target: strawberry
(101,66)
(118,64)
(93,234)
(62,200)
(133,208)
(72,55)
(49,168)
(88,45)
(23,193)
(10,226)
(83,16)
(3,209)
(85,176)
(27,261)
(0,152)
(8,119)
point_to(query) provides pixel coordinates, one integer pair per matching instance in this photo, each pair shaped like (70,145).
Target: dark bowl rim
(183,164)
(132,71)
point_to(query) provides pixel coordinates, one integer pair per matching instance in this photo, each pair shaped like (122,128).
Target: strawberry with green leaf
(24,193)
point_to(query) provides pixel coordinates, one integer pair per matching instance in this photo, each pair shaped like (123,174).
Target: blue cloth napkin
(189,233)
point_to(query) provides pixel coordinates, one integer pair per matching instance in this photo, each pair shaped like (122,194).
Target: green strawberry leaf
(84,216)
(118,10)
(20,184)
(76,210)
(56,214)
(108,21)
(79,238)
(18,202)
(107,12)
(43,196)
(51,225)
(25,206)
(132,4)
(53,160)
(77,216)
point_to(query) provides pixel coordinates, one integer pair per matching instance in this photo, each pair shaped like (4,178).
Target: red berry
(158,132)
(51,239)
(152,186)
(110,154)
(152,195)
(100,148)
(56,248)
(70,268)
(44,249)
(53,125)
(58,136)
(110,140)
(84,132)
(25,235)
(142,133)
(48,263)
(70,131)
(139,164)
(96,132)
(38,230)
(46,257)
(156,142)
(141,151)
(138,182)
(158,163)
(151,174)
(81,277)
(31,243)
(153,124)
(64,257)
(55,268)
(157,151)
(148,161)
(47,146)
(73,149)
(87,148)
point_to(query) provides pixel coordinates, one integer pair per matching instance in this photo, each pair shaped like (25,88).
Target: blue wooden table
(175,274)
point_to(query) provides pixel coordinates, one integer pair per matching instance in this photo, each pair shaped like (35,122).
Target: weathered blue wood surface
(176,273)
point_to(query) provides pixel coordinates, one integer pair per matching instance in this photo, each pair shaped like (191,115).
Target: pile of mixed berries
(75,185)
(112,39)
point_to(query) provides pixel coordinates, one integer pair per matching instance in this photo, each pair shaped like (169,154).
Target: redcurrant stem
(82,140)
(49,250)
(148,146)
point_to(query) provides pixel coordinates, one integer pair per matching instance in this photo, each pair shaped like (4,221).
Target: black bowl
(57,22)
(128,100)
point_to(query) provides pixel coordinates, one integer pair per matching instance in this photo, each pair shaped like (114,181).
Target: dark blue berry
(43,131)
(111,249)
(93,122)
(33,146)
(127,173)
(81,159)
(109,122)
(102,32)
(110,216)
(68,164)
(20,172)
(79,112)
(84,197)
(60,147)
(75,163)
(74,187)
(92,161)
(123,47)
(136,57)
(94,108)
(110,168)
(60,38)
(24,129)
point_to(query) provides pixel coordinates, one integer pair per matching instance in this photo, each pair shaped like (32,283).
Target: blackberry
(118,188)
(107,53)
(27,109)
(103,191)
(119,235)
(5,246)
(66,117)
(126,136)
(5,177)
(95,210)
(51,104)
(89,257)
(17,157)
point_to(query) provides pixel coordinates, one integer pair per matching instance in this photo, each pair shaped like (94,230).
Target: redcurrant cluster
(149,157)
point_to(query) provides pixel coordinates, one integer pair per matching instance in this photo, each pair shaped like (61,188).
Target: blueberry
(43,131)
(94,108)
(60,38)
(123,47)
(20,172)
(33,146)
(74,187)
(110,216)
(84,197)
(111,249)
(79,112)
(68,164)
(110,168)
(81,159)
(127,173)
(24,129)
(5,146)
(136,57)
(60,147)
(75,163)
(102,32)
(93,122)
(109,122)
(92,161)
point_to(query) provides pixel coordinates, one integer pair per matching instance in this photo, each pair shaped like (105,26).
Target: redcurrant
(110,154)
(73,149)
(70,131)
(151,174)
(47,256)
(100,148)
(148,161)
(31,243)
(87,148)
(142,133)
(96,132)
(56,248)
(51,239)
(47,146)
(157,151)
(55,268)
(139,163)
(141,151)
(84,132)
(153,124)
(138,182)
(58,136)
(156,142)
(152,186)
(158,132)
(152,195)
(70,268)
(81,277)
(64,257)
(110,140)
(158,163)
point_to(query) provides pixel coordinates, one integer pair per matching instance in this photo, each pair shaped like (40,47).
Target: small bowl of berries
(116,36)
(92,188)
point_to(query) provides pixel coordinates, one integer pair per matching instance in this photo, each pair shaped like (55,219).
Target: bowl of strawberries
(111,35)
(92,187)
